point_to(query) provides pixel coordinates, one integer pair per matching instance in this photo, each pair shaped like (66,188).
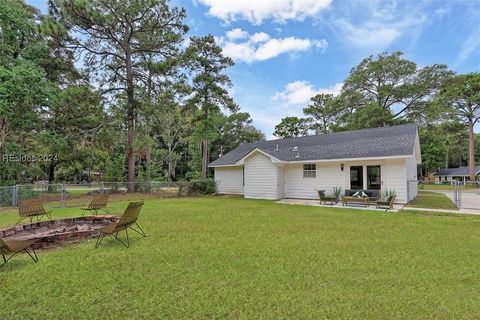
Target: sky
(286,51)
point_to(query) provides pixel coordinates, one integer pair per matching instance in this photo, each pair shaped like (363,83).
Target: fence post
(459,197)
(63,205)
(14,195)
(102,187)
(151,186)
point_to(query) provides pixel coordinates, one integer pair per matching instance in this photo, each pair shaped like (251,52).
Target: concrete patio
(316,203)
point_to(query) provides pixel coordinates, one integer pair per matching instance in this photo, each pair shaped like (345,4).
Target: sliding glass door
(374,178)
(356,177)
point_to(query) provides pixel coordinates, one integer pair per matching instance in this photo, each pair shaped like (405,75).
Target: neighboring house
(380,158)
(455,174)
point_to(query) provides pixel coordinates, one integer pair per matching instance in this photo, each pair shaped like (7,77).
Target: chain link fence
(464,194)
(64,195)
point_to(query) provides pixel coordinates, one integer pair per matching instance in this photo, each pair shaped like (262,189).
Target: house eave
(241,161)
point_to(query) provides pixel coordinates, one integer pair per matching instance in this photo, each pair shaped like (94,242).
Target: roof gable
(367,143)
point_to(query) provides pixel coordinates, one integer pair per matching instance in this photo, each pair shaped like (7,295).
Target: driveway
(470,199)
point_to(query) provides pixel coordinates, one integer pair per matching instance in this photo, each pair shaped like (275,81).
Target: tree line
(116,87)
(388,89)
(113,87)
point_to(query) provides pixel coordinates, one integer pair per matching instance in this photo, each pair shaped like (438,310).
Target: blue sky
(288,50)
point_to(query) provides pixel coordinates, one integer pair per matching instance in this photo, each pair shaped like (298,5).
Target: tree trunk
(446,159)
(148,152)
(130,122)
(204,158)
(471,150)
(205,148)
(170,166)
(51,172)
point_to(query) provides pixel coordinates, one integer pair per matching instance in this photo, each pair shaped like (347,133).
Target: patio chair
(331,199)
(99,202)
(12,247)
(386,203)
(126,221)
(31,208)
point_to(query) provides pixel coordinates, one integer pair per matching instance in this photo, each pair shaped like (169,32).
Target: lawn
(432,200)
(222,257)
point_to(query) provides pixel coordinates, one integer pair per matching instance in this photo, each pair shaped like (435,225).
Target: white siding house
(229,180)
(261,177)
(279,168)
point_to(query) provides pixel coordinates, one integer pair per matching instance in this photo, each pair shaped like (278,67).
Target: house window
(374,179)
(309,170)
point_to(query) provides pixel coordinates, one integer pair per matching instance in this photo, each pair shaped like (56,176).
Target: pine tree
(114,36)
(209,87)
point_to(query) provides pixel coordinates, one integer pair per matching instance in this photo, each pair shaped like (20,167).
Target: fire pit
(51,234)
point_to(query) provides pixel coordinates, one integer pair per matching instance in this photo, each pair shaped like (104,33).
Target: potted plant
(337,192)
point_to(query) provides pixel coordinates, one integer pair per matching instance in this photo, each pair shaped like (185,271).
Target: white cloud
(381,23)
(259,37)
(261,46)
(371,34)
(299,92)
(258,10)
(236,34)
(470,45)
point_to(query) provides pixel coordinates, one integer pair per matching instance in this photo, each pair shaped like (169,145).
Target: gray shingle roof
(367,143)
(457,172)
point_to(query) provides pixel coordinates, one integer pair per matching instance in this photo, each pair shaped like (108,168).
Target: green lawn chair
(9,248)
(386,203)
(30,208)
(99,202)
(128,219)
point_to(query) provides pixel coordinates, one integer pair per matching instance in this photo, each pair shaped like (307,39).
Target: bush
(204,186)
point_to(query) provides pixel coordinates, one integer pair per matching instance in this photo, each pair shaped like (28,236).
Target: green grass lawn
(432,200)
(230,258)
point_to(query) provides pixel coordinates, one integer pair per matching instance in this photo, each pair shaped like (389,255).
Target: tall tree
(291,127)
(394,84)
(24,90)
(114,36)
(324,112)
(461,97)
(434,148)
(74,120)
(234,130)
(209,87)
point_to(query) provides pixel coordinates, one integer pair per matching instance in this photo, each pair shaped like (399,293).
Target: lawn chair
(330,198)
(31,208)
(99,202)
(12,247)
(128,219)
(386,203)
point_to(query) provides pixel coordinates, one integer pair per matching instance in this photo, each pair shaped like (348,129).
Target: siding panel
(396,178)
(260,177)
(328,176)
(229,180)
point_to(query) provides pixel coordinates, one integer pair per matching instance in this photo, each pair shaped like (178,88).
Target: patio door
(356,177)
(374,178)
